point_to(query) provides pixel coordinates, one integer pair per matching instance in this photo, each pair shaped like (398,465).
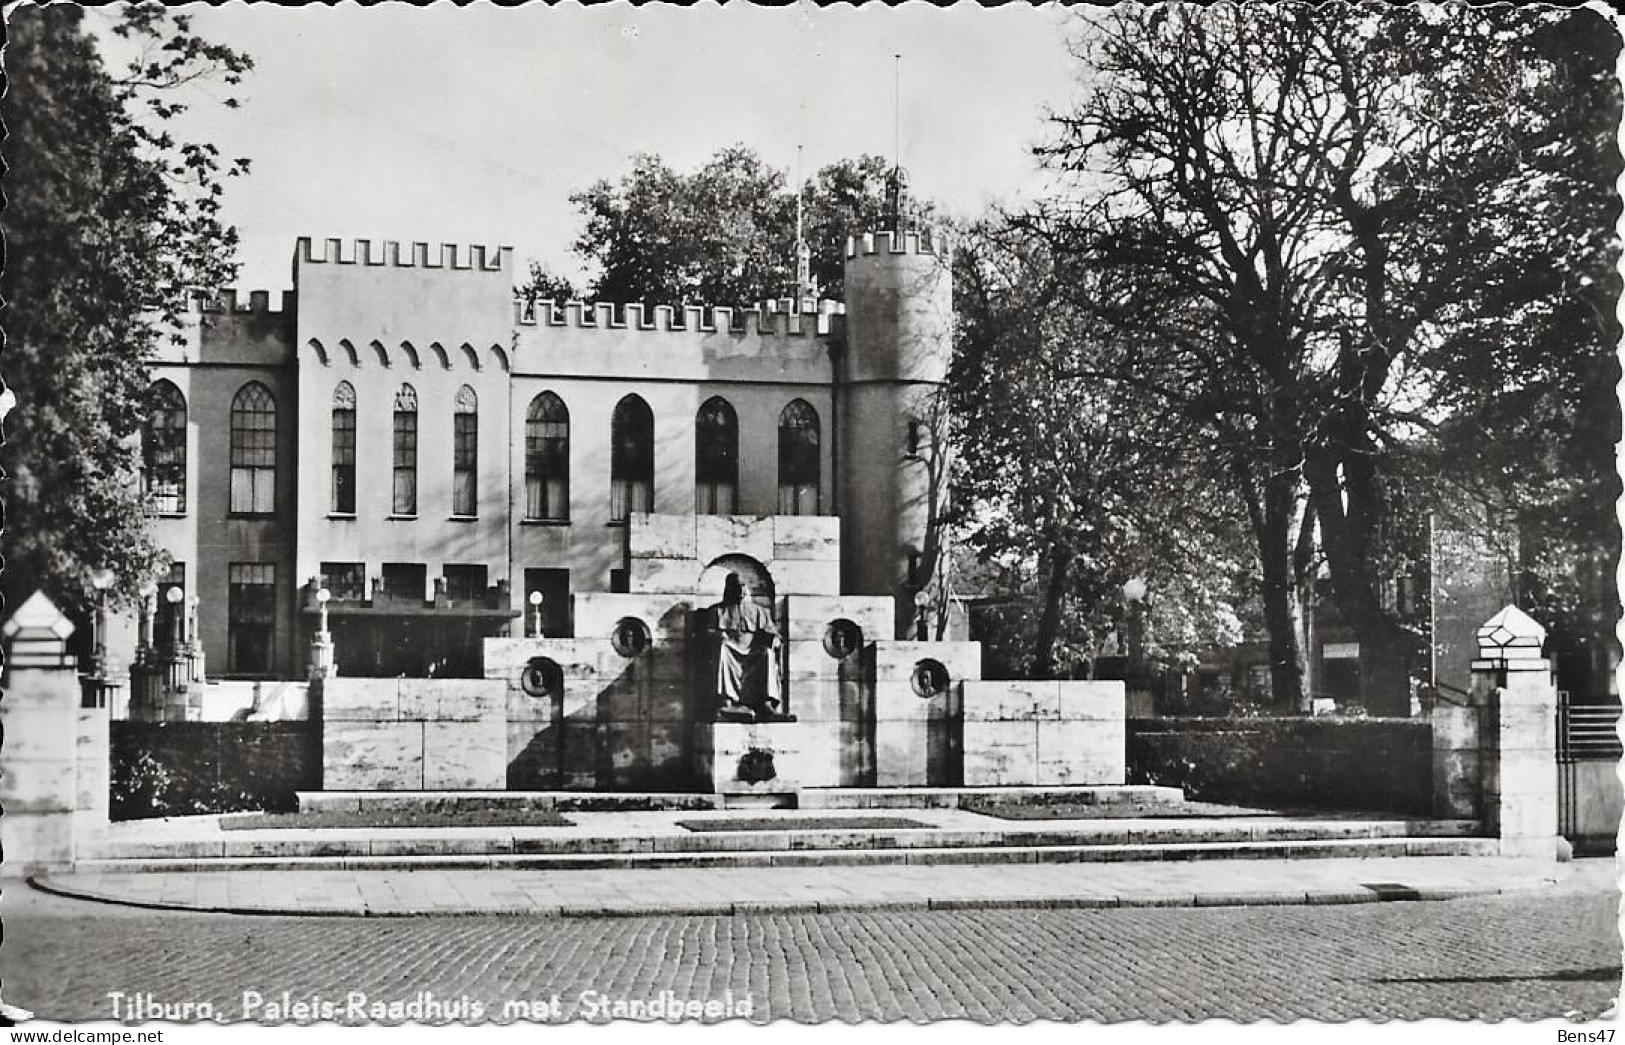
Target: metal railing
(1586,732)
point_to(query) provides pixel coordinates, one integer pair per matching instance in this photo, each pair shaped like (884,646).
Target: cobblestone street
(1533,955)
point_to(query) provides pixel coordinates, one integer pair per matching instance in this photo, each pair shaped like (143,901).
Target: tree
(1072,485)
(725,234)
(543,284)
(1300,206)
(111,221)
(1540,454)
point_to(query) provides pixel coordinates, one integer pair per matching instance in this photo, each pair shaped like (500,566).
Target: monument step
(1258,850)
(424,842)
(805,798)
(457,801)
(950,797)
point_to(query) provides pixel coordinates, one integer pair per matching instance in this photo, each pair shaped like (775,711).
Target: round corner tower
(891,415)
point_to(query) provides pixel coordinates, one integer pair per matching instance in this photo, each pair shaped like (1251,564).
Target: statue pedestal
(762,758)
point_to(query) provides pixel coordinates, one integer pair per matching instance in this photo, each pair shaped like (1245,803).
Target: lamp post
(535,600)
(149,610)
(323,664)
(1134,594)
(173,596)
(101,581)
(192,605)
(922,606)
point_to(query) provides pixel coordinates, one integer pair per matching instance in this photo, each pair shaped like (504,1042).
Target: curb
(1102,901)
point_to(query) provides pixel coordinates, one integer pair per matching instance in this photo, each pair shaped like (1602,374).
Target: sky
(474,125)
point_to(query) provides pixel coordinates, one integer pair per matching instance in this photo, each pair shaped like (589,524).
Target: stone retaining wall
(1050,733)
(412,734)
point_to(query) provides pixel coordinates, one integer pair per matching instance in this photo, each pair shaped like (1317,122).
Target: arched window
(716,458)
(343,449)
(405,499)
(631,458)
(253,451)
(163,448)
(799,464)
(547,459)
(465,453)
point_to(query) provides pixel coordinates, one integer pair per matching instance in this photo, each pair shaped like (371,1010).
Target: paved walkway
(725,891)
(1543,953)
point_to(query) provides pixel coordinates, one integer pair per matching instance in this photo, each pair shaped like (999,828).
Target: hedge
(182,768)
(1370,764)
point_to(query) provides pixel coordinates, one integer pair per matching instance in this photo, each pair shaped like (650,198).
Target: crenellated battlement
(229,300)
(450,256)
(925,241)
(773,319)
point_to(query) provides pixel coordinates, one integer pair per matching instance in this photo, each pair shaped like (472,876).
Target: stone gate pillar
(55,761)
(1517,698)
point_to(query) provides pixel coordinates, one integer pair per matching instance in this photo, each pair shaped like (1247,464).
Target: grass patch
(1106,810)
(803,823)
(334,819)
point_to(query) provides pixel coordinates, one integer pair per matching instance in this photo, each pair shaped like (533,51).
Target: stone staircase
(683,801)
(644,831)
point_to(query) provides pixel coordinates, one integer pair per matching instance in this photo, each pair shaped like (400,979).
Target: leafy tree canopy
(1337,231)
(1075,485)
(721,235)
(110,221)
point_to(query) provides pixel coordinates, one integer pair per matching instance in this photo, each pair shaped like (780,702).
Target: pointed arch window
(547,459)
(799,464)
(716,458)
(343,492)
(253,451)
(163,448)
(631,458)
(465,453)
(405,497)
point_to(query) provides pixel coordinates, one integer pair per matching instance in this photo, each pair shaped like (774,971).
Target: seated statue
(747,679)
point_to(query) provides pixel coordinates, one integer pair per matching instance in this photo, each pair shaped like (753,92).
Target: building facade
(450,464)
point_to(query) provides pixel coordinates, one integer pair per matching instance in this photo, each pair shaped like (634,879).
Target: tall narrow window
(465,453)
(631,458)
(547,459)
(465,585)
(405,501)
(716,458)
(253,451)
(554,586)
(344,449)
(799,464)
(163,448)
(914,444)
(345,581)
(405,581)
(250,617)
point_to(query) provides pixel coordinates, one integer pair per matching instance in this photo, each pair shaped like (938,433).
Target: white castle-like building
(488,533)
(399,431)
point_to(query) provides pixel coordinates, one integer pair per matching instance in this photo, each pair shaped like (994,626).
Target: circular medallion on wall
(630,637)
(542,677)
(842,638)
(929,678)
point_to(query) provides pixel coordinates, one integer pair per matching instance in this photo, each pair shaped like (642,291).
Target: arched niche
(753,574)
